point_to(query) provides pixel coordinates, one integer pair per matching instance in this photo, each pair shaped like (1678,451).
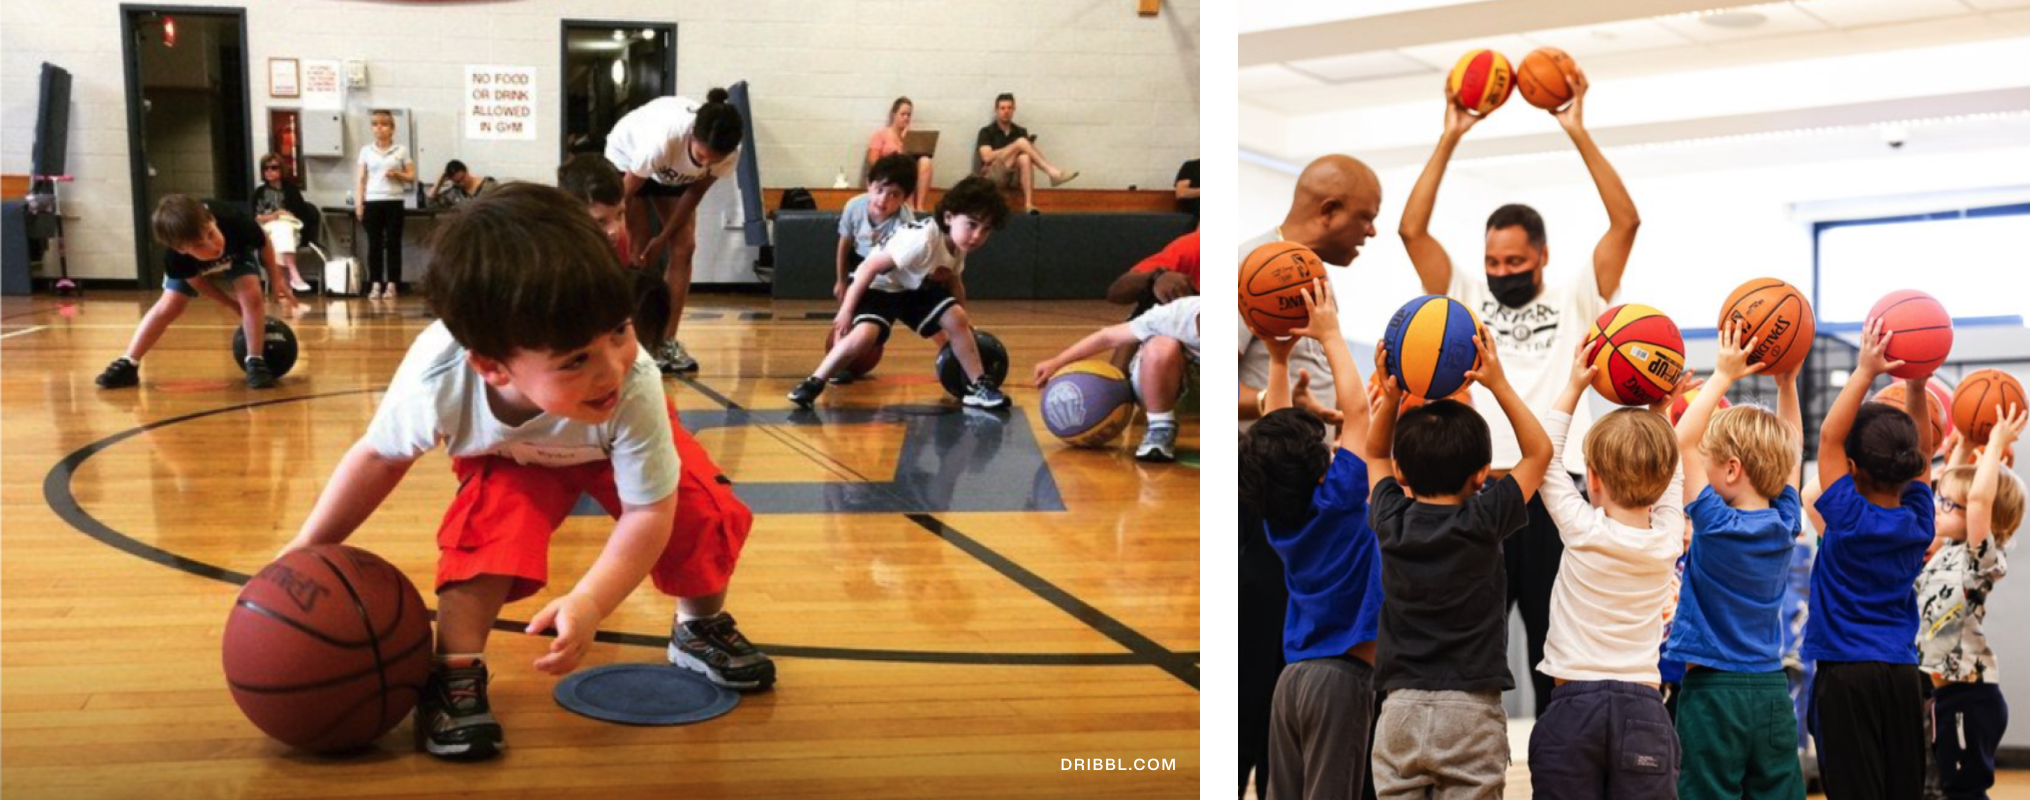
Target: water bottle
(348,198)
(840,182)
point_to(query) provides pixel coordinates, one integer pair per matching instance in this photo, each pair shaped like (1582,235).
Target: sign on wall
(500,102)
(323,85)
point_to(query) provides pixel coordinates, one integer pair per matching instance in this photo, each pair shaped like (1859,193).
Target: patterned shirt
(1952,600)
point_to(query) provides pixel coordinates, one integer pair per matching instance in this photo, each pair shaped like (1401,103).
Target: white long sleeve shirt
(1605,608)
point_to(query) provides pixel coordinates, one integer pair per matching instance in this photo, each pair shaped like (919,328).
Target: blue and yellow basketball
(1430,342)
(1088,404)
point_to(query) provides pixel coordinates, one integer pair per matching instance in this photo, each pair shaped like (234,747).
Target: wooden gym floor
(955,600)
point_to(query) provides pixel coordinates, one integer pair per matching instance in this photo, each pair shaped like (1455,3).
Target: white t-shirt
(1309,355)
(1536,344)
(856,223)
(1612,580)
(919,249)
(654,142)
(1177,319)
(437,398)
(377,163)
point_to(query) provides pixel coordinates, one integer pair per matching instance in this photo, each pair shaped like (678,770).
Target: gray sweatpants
(1318,729)
(1442,745)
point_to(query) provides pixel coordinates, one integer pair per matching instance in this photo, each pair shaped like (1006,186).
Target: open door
(611,68)
(188,125)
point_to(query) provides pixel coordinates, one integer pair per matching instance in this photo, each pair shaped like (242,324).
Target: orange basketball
(1684,401)
(1481,81)
(1983,396)
(1273,279)
(1923,331)
(1541,78)
(1938,398)
(1639,353)
(1778,318)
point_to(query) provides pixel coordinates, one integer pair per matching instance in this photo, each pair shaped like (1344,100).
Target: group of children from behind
(1393,540)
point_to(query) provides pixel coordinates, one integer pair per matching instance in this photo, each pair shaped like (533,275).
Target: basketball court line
(24,331)
(56,489)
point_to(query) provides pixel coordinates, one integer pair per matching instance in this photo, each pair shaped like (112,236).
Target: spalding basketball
(1481,81)
(1923,331)
(1088,403)
(1430,343)
(1684,401)
(1639,353)
(861,364)
(327,648)
(1541,78)
(1778,318)
(1984,396)
(1273,279)
(1939,399)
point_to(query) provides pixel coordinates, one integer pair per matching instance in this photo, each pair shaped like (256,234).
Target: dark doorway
(188,126)
(611,68)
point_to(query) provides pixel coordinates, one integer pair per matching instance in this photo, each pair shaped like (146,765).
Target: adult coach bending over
(1536,329)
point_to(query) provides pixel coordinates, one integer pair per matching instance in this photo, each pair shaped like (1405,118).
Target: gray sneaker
(681,359)
(714,646)
(1159,443)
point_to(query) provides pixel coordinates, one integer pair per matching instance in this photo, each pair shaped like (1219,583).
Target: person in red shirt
(1169,274)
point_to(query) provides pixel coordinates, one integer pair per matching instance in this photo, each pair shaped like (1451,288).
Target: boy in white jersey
(1168,335)
(917,279)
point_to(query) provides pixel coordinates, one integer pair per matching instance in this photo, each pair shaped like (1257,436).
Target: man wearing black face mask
(1536,328)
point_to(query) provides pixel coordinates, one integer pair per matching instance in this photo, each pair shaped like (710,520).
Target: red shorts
(505,513)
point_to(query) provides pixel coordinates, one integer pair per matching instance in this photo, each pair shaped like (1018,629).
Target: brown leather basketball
(327,648)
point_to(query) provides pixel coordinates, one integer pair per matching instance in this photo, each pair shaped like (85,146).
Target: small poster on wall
(282,77)
(323,84)
(500,102)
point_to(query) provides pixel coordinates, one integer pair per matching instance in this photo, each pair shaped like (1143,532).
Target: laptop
(920,143)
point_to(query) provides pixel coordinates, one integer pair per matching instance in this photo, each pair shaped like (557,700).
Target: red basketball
(1273,279)
(1639,352)
(1938,398)
(862,363)
(1923,331)
(1779,319)
(1481,81)
(327,648)
(1684,401)
(1983,396)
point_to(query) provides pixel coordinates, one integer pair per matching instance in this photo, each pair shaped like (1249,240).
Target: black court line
(1182,666)
(56,492)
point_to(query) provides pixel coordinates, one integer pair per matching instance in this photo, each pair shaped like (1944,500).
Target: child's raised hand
(1280,349)
(1583,369)
(1734,350)
(1324,311)
(576,619)
(1392,390)
(1489,371)
(1686,383)
(1300,396)
(2008,426)
(1875,350)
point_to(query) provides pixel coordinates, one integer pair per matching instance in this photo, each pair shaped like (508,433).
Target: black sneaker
(258,376)
(807,392)
(453,719)
(982,394)
(714,646)
(120,374)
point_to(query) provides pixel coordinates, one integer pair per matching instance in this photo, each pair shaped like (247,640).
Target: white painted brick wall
(1112,94)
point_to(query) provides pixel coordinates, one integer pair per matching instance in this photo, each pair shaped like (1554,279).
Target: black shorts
(918,309)
(655,188)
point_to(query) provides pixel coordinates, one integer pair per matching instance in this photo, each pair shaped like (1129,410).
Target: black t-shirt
(244,239)
(992,138)
(1444,625)
(1188,172)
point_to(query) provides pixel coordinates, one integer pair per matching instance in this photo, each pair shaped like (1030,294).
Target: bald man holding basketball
(1536,329)
(1333,213)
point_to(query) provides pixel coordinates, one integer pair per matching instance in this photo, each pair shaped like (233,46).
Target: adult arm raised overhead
(1434,267)
(1610,257)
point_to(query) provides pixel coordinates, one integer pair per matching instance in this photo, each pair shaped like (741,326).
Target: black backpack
(797,199)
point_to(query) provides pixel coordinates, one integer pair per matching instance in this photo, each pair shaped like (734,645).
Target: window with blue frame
(1972,260)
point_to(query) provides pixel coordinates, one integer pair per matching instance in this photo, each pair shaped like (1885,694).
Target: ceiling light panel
(1443,55)
(1362,66)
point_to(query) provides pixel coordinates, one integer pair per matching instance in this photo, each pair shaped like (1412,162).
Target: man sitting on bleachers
(1007,154)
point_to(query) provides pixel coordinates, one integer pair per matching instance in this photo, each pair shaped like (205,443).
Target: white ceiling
(1660,70)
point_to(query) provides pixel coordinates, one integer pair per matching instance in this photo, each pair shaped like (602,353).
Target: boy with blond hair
(1740,468)
(1605,733)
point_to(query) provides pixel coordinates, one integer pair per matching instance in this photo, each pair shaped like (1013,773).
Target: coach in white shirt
(1536,328)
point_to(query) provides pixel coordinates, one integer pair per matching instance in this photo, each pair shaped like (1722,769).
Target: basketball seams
(366,623)
(1264,263)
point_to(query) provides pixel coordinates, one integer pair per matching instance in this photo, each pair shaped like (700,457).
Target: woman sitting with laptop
(895,137)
